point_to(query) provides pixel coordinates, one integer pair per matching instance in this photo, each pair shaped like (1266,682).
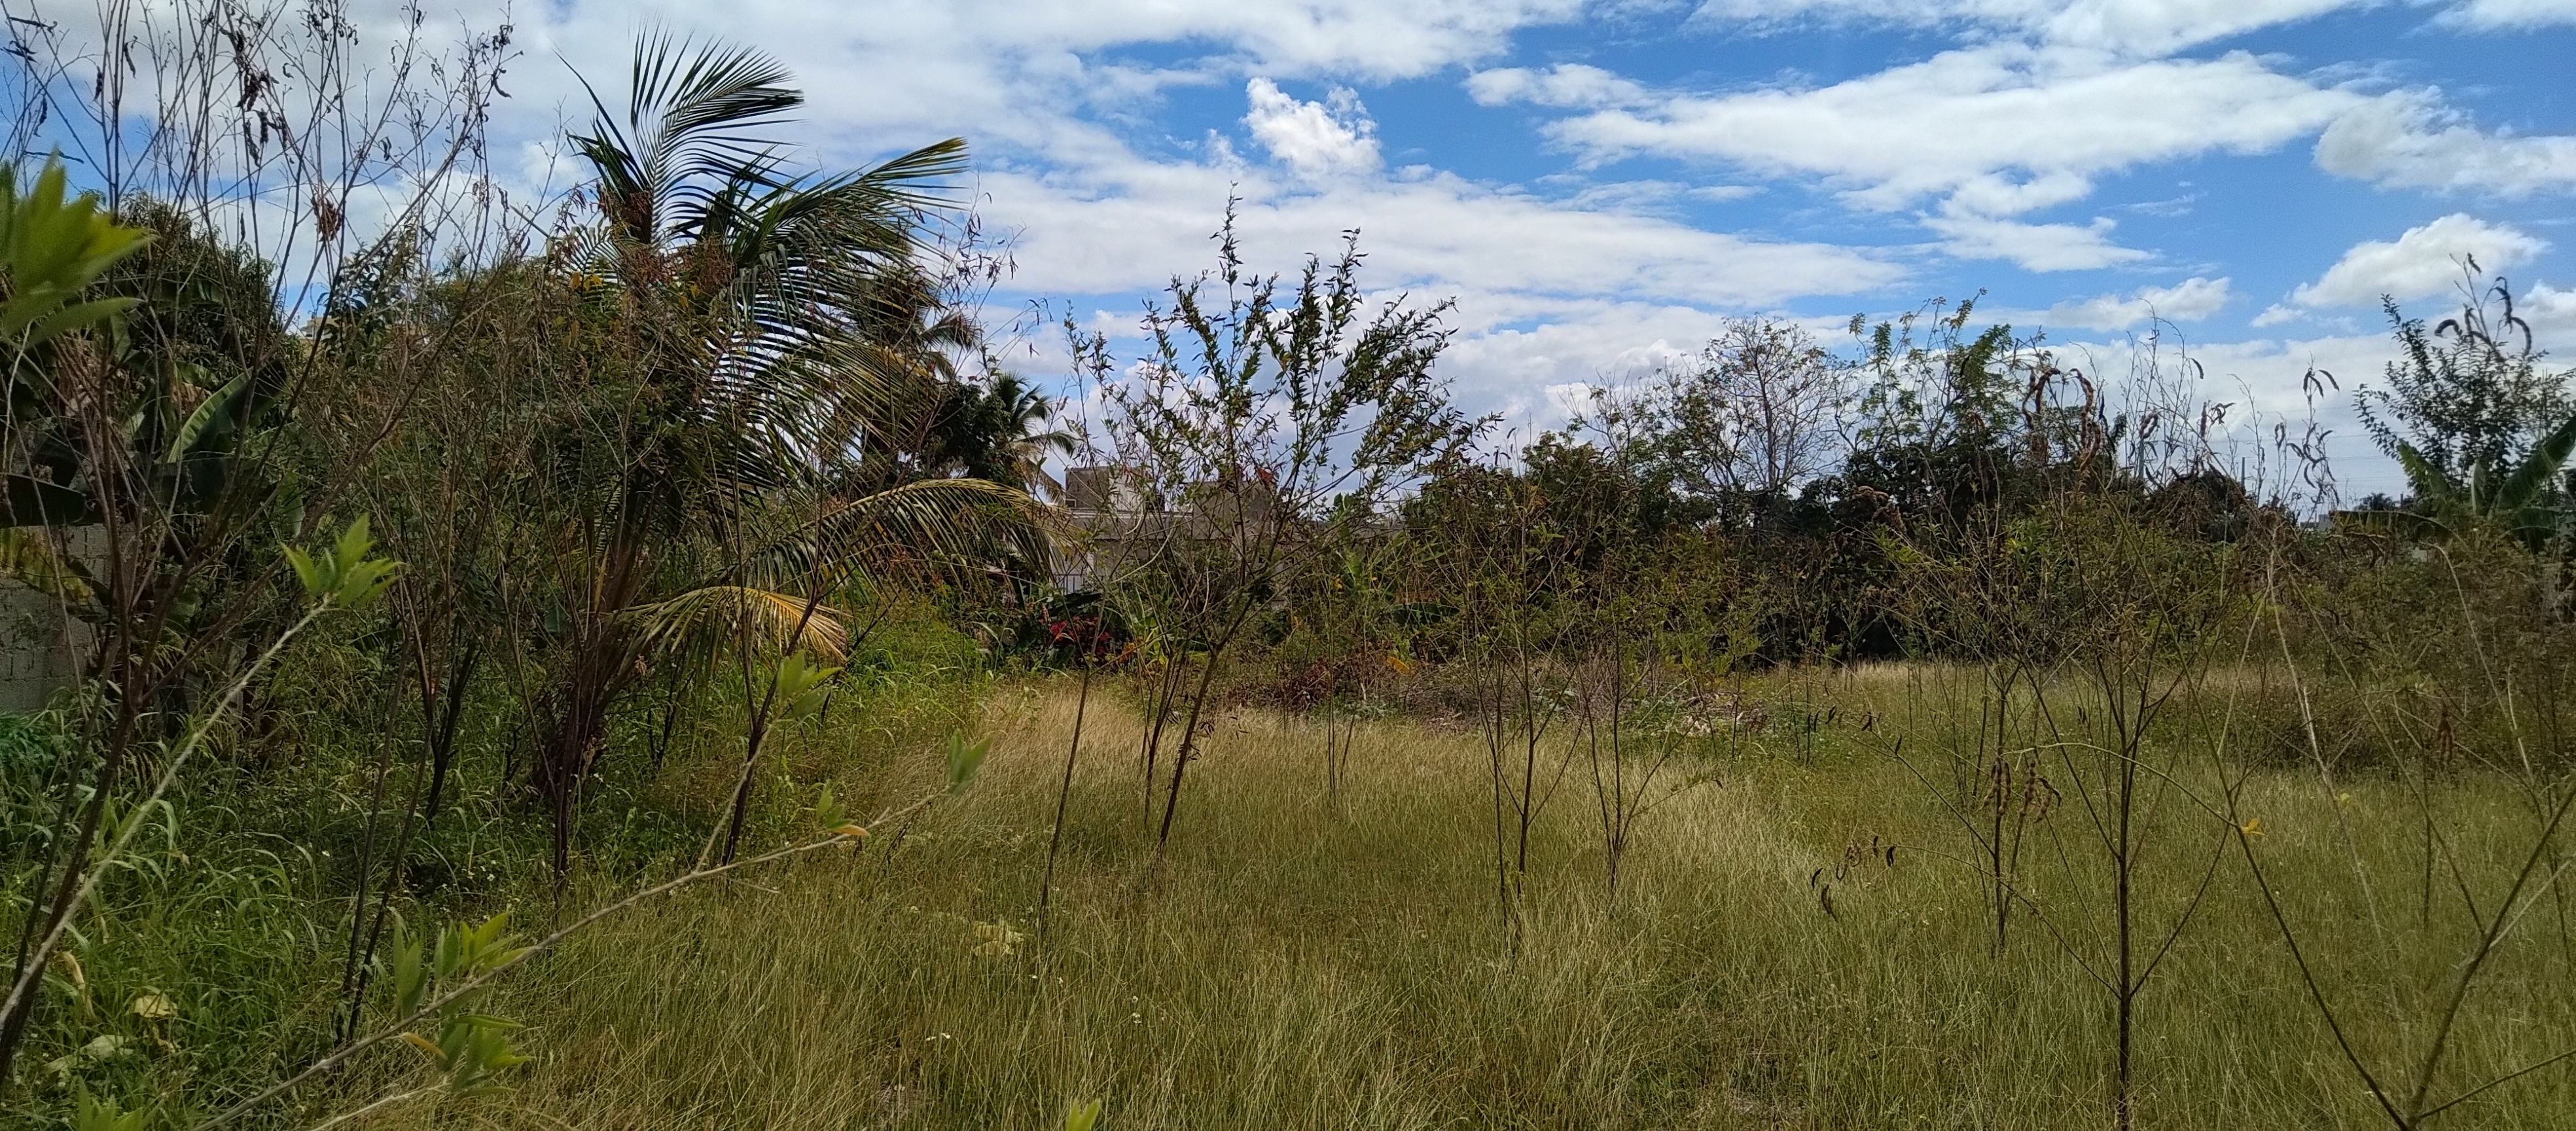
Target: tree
(746,310)
(1757,414)
(1003,431)
(2480,428)
(1266,412)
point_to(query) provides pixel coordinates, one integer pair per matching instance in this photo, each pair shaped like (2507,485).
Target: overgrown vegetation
(529,663)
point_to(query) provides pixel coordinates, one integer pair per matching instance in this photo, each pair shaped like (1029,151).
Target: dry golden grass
(1288,964)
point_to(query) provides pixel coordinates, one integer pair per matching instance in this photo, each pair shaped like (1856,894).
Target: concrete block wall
(37,655)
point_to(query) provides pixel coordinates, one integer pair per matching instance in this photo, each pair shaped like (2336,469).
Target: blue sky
(1600,182)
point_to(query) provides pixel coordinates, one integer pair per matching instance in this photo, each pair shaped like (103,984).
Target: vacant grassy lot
(1765,962)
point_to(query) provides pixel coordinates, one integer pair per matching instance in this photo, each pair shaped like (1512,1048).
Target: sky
(1599,183)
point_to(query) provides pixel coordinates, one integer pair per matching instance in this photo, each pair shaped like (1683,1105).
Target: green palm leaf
(692,112)
(918,530)
(710,619)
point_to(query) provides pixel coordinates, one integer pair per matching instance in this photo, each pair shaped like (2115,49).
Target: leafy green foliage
(51,249)
(346,573)
(96,1113)
(2468,394)
(964,758)
(774,331)
(801,686)
(2487,431)
(470,1048)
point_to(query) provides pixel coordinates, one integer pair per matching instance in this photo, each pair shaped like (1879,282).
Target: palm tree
(707,519)
(1003,432)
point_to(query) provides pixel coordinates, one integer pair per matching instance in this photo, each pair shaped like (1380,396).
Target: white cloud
(1132,227)
(2132,27)
(2409,139)
(1329,138)
(1017,76)
(2033,247)
(1052,103)
(1571,85)
(2551,312)
(2004,128)
(2267,380)
(2512,15)
(1534,373)
(2188,301)
(2426,260)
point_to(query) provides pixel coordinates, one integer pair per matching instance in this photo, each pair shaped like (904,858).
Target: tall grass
(1764,962)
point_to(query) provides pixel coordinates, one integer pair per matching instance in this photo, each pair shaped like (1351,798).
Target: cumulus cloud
(2191,300)
(2033,247)
(2511,15)
(2060,94)
(2134,27)
(2008,126)
(1317,139)
(1989,132)
(2424,261)
(1439,234)
(2409,139)
(1568,85)
(1034,78)
(2551,312)
(2041,101)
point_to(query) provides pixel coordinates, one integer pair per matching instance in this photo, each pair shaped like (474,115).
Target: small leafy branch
(345,575)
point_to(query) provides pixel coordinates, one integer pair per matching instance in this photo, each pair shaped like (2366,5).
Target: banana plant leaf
(34,502)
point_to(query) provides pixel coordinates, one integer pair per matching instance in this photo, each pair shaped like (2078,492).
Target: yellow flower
(2253,827)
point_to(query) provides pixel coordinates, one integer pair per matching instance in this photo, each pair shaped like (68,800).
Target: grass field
(1766,962)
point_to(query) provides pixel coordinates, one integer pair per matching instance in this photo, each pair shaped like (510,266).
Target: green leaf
(74,317)
(827,810)
(2427,481)
(354,542)
(411,977)
(95,1114)
(316,576)
(50,248)
(1082,1117)
(964,759)
(345,575)
(207,416)
(2538,470)
(365,581)
(799,685)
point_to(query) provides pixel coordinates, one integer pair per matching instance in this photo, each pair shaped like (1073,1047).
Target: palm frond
(712,619)
(919,530)
(692,112)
